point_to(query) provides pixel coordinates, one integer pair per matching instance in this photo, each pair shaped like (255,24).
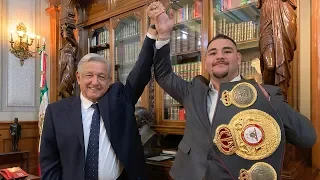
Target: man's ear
(239,58)
(205,64)
(78,77)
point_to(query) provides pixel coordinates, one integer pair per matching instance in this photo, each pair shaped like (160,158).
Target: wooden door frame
(315,78)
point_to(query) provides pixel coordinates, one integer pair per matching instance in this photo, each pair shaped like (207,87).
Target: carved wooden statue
(277,40)
(15,132)
(68,62)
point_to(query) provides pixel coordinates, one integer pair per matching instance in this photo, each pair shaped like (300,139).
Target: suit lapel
(204,89)
(104,112)
(76,119)
(205,110)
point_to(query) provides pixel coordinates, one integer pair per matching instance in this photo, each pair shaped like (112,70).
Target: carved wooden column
(315,79)
(54,12)
(68,43)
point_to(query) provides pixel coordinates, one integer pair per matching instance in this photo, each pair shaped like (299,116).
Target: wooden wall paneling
(29,141)
(54,12)
(112,46)
(315,79)
(98,7)
(295,158)
(97,17)
(83,42)
(206,32)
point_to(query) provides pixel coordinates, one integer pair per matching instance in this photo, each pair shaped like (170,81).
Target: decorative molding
(52,10)
(105,25)
(99,17)
(115,23)
(18,83)
(3,47)
(116,20)
(137,15)
(91,32)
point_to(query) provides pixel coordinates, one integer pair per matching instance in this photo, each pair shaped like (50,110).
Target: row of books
(169,101)
(240,32)
(186,39)
(105,53)
(188,12)
(174,113)
(128,30)
(188,70)
(251,70)
(224,5)
(101,37)
(127,53)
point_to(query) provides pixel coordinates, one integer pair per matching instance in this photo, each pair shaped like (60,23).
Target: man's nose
(95,80)
(220,55)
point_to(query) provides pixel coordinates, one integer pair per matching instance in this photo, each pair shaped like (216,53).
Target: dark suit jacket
(62,153)
(196,156)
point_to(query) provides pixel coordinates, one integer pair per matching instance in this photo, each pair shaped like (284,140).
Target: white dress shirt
(110,167)
(159,44)
(212,99)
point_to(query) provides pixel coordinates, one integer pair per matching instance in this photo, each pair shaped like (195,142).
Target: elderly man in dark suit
(235,128)
(95,136)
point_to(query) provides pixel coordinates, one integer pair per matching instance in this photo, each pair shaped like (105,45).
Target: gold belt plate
(258,171)
(242,95)
(251,134)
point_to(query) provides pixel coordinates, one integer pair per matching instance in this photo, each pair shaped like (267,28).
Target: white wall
(19,87)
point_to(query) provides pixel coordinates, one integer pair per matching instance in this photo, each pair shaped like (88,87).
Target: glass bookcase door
(240,20)
(99,42)
(185,45)
(127,48)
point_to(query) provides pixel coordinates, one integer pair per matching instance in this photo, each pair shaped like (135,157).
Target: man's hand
(164,24)
(154,10)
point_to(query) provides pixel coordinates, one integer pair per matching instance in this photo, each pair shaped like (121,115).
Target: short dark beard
(220,76)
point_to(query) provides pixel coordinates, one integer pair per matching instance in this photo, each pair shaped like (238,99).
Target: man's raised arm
(140,75)
(166,78)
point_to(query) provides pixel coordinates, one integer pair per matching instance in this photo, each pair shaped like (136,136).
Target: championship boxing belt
(248,133)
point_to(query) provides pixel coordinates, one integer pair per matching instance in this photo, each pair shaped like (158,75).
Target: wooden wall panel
(54,12)
(315,79)
(29,142)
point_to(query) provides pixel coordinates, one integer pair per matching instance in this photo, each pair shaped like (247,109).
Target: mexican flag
(44,100)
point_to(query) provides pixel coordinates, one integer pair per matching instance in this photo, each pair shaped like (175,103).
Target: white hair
(97,58)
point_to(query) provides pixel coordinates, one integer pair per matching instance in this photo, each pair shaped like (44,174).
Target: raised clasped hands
(154,10)
(164,23)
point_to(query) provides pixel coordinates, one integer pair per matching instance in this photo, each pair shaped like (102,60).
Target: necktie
(92,159)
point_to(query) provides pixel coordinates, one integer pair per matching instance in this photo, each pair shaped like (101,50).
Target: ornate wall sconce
(20,47)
